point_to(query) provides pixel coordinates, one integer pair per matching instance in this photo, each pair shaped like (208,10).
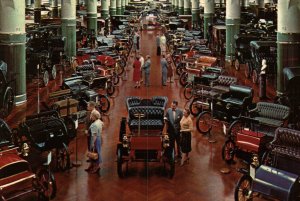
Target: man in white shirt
(142,60)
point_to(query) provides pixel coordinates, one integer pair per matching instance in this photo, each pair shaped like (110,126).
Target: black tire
(237,65)
(103,103)
(255,76)
(204,122)
(247,70)
(194,107)
(243,188)
(110,88)
(63,158)
(183,79)
(71,127)
(120,162)
(228,151)
(47,184)
(188,91)
(179,69)
(169,162)
(45,77)
(115,78)
(53,72)
(8,102)
(234,128)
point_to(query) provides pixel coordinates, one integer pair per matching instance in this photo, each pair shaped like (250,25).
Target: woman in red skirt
(137,72)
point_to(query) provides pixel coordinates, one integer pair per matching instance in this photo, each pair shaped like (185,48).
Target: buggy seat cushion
(238,95)
(271,113)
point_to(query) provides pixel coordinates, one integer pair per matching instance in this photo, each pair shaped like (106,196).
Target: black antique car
(242,46)
(21,171)
(291,94)
(6,92)
(262,50)
(81,91)
(146,142)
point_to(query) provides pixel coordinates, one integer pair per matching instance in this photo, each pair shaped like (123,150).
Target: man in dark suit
(172,118)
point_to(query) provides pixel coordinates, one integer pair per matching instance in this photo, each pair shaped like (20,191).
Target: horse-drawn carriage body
(262,50)
(242,46)
(37,53)
(6,92)
(291,94)
(145,142)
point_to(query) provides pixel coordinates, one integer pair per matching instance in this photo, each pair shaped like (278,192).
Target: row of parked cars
(31,152)
(260,133)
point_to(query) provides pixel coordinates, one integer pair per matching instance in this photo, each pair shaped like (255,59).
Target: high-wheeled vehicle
(224,106)
(262,50)
(249,135)
(242,46)
(278,176)
(21,172)
(145,142)
(6,92)
(81,91)
(291,94)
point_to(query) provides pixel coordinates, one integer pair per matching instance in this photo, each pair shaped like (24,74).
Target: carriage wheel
(234,128)
(53,72)
(204,122)
(247,70)
(8,102)
(188,91)
(120,162)
(45,78)
(228,150)
(242,191)
(103,103)
(237,64)
(110,89)
(115,78)
(194,107)
(63,158)
(169,162)
(179,69)
(255,76)
(47,184)
(183,79)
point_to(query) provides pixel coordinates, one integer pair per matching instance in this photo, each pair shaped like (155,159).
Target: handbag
(92,154)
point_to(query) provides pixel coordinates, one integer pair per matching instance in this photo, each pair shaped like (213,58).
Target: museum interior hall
(150,100)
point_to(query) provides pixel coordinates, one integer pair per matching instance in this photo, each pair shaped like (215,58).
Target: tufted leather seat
(286,146)
(270,114)
(160,101)
(238,96)
(152,120)
(132,101)
(223,82)
(86,67)
(206,61)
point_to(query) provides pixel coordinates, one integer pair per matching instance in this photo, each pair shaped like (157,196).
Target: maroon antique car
(18,176)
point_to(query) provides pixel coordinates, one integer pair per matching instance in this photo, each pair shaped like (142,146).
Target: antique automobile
(278,176)
(38,61)
(146,142)
(262,50)
(291,94)
(224,106)
(46,132)
(249,135)
(6,92)
(242,46)
(20,173)
(81,91)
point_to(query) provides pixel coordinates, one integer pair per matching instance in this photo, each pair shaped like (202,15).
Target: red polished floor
(200,180)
